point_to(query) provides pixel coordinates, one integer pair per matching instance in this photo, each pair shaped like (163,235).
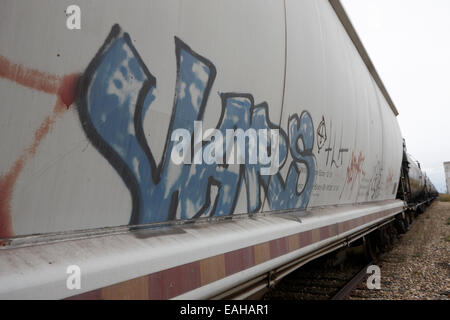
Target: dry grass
(444,197)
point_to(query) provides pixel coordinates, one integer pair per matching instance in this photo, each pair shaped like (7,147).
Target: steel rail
(345,291)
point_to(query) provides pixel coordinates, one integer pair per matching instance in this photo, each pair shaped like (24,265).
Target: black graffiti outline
(333,149)
(94,137)
(321,134)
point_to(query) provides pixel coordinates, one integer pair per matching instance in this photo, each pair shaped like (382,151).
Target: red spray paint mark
(29,77)
(354,171)
(7,182)
(390,181)
(65,89)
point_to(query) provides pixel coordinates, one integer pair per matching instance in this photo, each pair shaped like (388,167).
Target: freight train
(95,98)
(416,188)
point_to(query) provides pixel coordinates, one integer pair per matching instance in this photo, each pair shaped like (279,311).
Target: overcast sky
(409,43)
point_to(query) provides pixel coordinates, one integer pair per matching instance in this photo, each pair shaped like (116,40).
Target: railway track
(321,279)
(347,289)
(331,277)
(334,276)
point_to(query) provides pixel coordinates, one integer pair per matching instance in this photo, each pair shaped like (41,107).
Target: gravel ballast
(418,267)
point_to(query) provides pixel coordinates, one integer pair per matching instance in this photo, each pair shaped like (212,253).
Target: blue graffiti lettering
(117,90)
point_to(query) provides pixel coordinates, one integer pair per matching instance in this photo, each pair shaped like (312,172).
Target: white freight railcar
(87,117)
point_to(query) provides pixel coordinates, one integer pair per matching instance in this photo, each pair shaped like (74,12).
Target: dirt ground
(419,265)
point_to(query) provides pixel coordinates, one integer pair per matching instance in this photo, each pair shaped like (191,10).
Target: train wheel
(370,247)
(410,218)
(401,225)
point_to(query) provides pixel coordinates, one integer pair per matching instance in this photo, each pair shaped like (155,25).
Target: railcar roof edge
(348,26)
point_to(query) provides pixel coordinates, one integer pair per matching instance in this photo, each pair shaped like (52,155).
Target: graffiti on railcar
(374,189)
(391,187)
(117,91)
(321,134)
(64,87)
(335,155)
(354,174)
